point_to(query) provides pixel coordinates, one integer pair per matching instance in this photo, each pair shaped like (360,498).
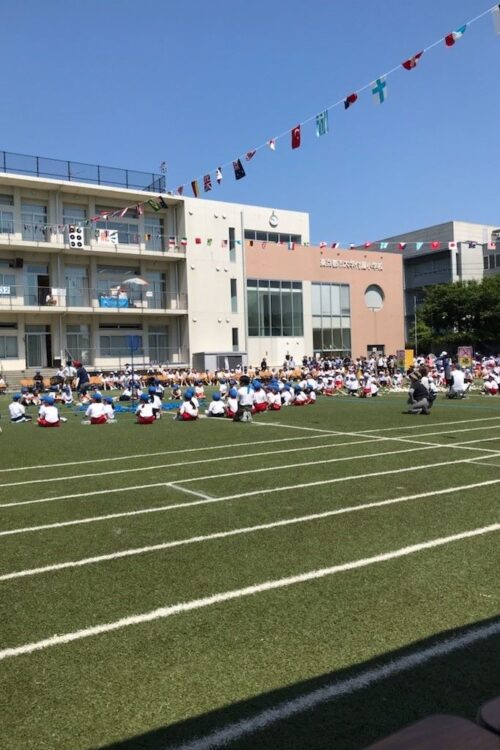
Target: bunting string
(378,88)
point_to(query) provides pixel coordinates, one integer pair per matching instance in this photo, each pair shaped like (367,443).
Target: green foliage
(461,313)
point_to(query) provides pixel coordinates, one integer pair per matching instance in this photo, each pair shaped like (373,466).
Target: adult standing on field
(82,383)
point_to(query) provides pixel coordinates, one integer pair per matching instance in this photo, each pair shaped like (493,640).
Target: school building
(102,265)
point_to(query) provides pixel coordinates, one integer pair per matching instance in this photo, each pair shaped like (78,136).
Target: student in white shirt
(109,409)
(155,400)
(216,407)
(274,399)
(246,395)
(144,411)
(96,411)
(188,411)
(48,415)
(17,410)
(260,401)
(232,403)
(457,384)
(300,397)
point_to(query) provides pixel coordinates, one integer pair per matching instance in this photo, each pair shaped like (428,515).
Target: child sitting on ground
(188,411)
(48,416)
(216,408)
(144,411)
(17,410)
(109,409)
(96,412)
(260,400)
(232,403)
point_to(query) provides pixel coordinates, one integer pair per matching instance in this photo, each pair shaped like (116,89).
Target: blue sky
(197,84)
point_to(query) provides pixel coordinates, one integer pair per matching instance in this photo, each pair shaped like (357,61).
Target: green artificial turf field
(315,579)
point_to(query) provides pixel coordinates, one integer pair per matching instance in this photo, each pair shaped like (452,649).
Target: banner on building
(464,356)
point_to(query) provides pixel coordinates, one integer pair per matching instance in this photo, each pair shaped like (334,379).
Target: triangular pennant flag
(139,210)
(239,172)
(218,175)
(272,144)
(419,245)
(195,188)
(402,245)
(412,61)
(452,245)
(379,90)
(180,190)
(322,123)
(384,245)
(348,101)
(250,154)
(435,245)
(496,18)
(122,213)
(207,183)
(162,202)
(295,133)
(154,205)
(450,39)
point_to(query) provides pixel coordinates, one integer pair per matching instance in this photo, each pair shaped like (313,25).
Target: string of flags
(379,91)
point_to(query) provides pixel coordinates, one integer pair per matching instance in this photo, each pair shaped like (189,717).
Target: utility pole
(415,322)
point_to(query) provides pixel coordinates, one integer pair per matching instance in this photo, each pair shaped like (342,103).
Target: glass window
(117,346)
(8,347)
(234,296)
(485,262)
(34,222)
(249,234)
(492,261)
(253,309)
(77,286)
(7,285)
(153,233)
(6,222)
(74,214)
(497,256)
(234,335)
(6,200)
(274,308)
(374,297)
(345,301)
(158,344)
(261,236)
(232,245)
(331,325)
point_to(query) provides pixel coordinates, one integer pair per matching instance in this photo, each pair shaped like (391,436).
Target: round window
(374,297)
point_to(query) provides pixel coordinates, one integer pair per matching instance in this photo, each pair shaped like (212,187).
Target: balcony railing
(106,359)
(137,299)
(74,171)
(92,238)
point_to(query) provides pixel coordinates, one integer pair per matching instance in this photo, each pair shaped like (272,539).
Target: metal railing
(120,359)
(92,237)
(74,171)
(132,298)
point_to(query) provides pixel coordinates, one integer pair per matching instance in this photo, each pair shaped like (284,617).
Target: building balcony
(56,239)
(85,300)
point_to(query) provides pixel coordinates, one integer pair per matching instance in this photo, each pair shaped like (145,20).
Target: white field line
(306,702)
(190,462)
(136,469)
(253,493)
(225,596)
(234,445)
(191,492)
(175,484)
(237,532)
(482,463)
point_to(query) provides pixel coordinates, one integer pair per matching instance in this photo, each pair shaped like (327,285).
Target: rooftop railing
(74,171)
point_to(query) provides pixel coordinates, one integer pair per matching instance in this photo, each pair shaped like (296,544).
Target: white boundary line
(237,532)
(237,445)
(253,493)
(306,702)
(153,467)
(225,596)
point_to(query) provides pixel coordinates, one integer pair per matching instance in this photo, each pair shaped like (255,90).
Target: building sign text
(358,265)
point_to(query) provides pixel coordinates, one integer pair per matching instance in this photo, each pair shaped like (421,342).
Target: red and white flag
(492,246)
(272,144)
(296,136)
(452,245)
(435,245)
(322,244)
(412,61)
(402,245)
(250,154)
(218,175)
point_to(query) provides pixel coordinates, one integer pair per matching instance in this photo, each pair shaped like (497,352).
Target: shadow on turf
(457,683)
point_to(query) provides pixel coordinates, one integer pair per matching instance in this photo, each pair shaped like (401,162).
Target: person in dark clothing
(82,378)
(419,399)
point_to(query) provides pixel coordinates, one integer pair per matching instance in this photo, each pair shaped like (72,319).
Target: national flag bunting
(379,90)
(195,188)
(322,123)
(472,244)
(335,245)
(154,205)
(239,172)
(491,245)
(295,133)
(162,202)
(171,241)
(207,183)
(209,241)
(122,213)
(291,246)
(197,240)
(180,190)
(452,245)
(272,144)
(250,154)
(450,39)
(139,210)
(322,244)
(349,100)
(384,245)
(412,61)
(419,245)
(367,245)
(401,245)
(218,175)
(435,245)
(184,241)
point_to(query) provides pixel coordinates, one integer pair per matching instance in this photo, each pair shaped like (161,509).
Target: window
(153,233)
(8,347)
(232,245)
(128,231)
(234,332)
(118,346)
(331,318)
(6,216)
(234,296)
(497,256)
(492,261)
(77,286)
(7,285)
(252,234)
(374,297)
(74,214)
(158,344)
(485,262)
(274,308)
(34,222)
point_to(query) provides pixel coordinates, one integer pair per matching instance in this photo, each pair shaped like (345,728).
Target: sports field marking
(306,702)
(225,596)
(483,462)
(264,453)
(237,532)
(190,492)
(253,493)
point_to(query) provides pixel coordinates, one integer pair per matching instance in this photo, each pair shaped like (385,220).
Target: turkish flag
(296,137)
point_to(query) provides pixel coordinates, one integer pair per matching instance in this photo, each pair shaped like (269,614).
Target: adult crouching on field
(418,396)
